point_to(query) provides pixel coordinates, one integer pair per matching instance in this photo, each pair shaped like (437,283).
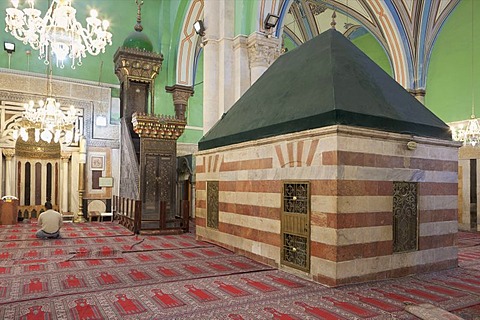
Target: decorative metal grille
(295,250)
(405,222)
(296,225)
(212,204)
(295,198)
(150,193)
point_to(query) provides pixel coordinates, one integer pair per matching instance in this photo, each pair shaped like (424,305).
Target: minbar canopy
(326,81)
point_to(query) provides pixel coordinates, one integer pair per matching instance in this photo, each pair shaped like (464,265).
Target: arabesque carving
(136,64)
(158,127)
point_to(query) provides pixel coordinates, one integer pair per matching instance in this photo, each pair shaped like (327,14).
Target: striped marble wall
(351,172)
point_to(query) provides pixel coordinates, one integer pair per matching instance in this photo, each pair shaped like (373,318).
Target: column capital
(9,153)
(65,156)
(240,41)
(262,51)
(180,95)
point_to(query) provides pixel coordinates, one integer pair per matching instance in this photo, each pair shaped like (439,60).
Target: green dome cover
(138,40)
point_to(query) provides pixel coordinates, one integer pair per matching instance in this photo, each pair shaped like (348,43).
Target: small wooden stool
(93,214)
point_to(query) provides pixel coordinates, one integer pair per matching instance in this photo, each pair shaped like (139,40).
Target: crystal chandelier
(59,30)
(468,131)
(48,121)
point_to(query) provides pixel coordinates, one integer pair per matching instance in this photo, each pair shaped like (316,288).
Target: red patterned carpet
(103,271)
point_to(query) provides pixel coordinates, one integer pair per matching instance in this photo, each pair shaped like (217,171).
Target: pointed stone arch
(187,44)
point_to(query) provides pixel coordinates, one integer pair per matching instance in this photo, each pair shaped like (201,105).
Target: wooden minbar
(8,211)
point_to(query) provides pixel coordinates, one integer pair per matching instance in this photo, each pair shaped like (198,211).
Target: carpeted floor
(103,271)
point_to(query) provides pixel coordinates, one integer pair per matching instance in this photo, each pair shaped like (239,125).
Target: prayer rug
(88,275)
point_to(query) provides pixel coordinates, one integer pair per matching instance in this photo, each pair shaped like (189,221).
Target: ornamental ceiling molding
(396,44)
(374,15)
(316,8)
(313,10)
(422,22)
(297,27)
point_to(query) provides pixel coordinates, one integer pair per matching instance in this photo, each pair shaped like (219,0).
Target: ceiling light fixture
(58,29)
(47,120)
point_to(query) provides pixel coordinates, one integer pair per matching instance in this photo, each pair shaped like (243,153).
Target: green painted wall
(161,20)
(245,15)
(195,107)
(94,68)
(449,78)
(288,43)
(370,46)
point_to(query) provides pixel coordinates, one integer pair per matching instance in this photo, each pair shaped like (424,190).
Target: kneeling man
(50,222)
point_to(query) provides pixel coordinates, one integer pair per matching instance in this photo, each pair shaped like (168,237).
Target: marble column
(241,66)
(218,91)
(65,156)
(9,171)
(81,181)
(262,52)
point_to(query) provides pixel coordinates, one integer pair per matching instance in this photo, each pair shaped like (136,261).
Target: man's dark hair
(48,205)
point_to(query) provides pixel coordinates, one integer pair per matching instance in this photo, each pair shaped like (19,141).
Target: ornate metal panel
(212,204)
(158,179)
(296,225)
(151,204)
(405,216)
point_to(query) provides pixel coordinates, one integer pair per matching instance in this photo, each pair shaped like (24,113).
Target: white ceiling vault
(406,29)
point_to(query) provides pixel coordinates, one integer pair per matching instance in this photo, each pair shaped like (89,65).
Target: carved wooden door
(295,225)
(157,188)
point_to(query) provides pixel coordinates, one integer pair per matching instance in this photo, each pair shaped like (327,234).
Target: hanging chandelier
(468,131)
(48,121)
(59,30)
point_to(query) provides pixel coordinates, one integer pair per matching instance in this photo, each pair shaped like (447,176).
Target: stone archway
(37,175)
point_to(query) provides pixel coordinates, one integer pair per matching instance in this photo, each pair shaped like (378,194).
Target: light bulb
(93,13)
(46,136)
(56,138)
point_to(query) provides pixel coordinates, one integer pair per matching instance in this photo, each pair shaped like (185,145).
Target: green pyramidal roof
(325,81)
